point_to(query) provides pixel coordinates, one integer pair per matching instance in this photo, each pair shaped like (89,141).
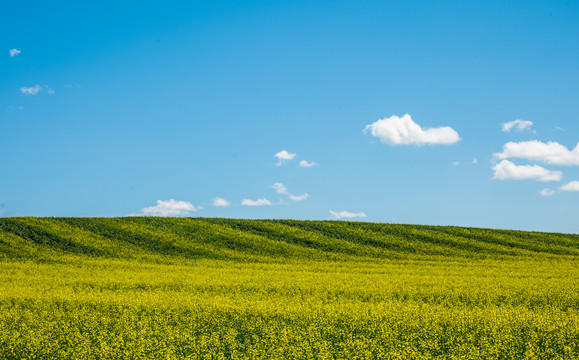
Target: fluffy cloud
(301,197)
(551,152)
(518,124)
(14,52)
(280,188)
(404,131)
(304,163)
(547,192)
(283,156)
(220,202)
(506,170)
(169,208)
(475,161)
(31,90)
(570,186)
(346,214)
(258,202)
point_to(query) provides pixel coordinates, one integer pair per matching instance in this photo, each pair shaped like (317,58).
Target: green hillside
(176,239)
(201,288)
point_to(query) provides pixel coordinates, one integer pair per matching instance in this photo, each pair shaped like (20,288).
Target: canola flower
(193,288)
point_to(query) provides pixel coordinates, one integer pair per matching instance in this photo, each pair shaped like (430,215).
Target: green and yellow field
(201,288)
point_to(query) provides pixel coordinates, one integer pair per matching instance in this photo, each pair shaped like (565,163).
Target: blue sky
(111,109)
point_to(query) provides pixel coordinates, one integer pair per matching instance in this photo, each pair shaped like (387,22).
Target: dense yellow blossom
(157,288)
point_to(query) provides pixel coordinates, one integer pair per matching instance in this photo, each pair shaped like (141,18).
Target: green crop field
(202,288)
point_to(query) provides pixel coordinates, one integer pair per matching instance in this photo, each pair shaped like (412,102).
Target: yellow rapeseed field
(193,288)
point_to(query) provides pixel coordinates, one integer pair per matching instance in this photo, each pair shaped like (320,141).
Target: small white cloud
(304,163)
(14,52)
(280,188)
(559,128)
(518,124)
(283,156)
(404,131)
(258,202)
(49,91)
(506,170)
(301,197)
(456,163)
(474,161)
(220,202)
(570,186)
(31,90)
(547,192)
(169,208)
(551,152)
(346,214)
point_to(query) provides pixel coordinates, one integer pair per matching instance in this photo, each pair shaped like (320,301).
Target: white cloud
(559,128)
(518,124)
(506,170)
(346,214)
(301,197)
(456,163)
(221,202)
(304,163)
(14,52)
(169,208)
(474,161)
(404,131)
(283,156)
(258,202)
(31,90)
(49,91)
(570,186)
(280,188)
(551,152)
(547,192)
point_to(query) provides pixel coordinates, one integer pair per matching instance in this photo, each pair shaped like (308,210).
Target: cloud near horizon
(346,214)
(404,131)
(506,170)
(281,189)
(518,124)
(551,153)
(570,186)
(169,207)
(258,202)
(220,202)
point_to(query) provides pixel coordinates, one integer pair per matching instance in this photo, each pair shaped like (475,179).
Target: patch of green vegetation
(197,288)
